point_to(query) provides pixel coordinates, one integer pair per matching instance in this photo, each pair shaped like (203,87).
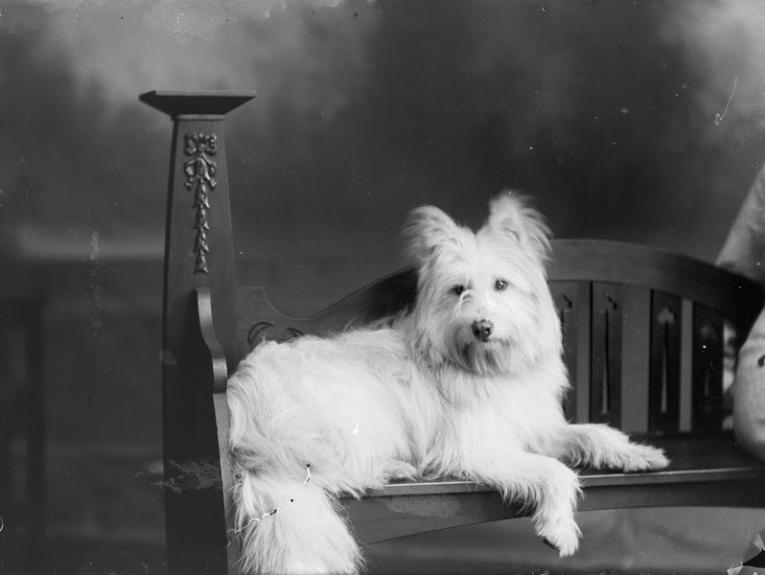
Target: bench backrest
(644,330)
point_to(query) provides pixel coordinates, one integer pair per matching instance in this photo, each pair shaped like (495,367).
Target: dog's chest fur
(491,414)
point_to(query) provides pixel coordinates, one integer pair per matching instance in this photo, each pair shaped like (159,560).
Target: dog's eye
(458,289)
(500,285)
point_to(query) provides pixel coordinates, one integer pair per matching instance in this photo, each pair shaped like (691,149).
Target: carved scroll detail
(564,305)
(200,178)
(262,330)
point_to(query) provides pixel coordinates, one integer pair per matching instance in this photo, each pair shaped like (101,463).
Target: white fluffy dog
(468,384)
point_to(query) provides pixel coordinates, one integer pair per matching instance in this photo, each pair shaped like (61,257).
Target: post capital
(200,103)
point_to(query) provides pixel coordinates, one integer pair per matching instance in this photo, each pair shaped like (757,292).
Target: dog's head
(483,304)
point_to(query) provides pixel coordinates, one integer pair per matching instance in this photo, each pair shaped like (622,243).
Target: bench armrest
(207,330)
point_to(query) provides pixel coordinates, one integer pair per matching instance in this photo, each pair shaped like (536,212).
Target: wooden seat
(644,343)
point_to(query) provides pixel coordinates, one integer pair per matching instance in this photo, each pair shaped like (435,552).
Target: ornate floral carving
(200,178)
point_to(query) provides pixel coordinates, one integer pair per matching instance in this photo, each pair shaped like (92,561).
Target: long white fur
(422,396)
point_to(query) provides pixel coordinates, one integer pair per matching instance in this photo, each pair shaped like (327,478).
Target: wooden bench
(643,333)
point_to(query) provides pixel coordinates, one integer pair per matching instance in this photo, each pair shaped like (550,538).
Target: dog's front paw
(643,458)
(563,536)
(554,516)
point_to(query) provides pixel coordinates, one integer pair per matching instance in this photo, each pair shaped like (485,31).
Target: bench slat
(707,390)
(664,370)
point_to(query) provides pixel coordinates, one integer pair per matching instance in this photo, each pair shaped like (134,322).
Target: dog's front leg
(603,447)
(543,482)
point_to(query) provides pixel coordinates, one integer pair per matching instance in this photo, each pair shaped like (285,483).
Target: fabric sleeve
(749,390)
(744,248)
(744,252)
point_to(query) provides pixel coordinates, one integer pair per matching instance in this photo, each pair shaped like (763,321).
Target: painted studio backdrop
(632,120)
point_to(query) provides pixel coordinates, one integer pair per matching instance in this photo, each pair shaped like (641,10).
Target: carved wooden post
(198,252)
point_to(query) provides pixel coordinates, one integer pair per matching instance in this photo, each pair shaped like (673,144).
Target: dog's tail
(290,525)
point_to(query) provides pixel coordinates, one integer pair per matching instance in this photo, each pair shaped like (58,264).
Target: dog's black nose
(482,329)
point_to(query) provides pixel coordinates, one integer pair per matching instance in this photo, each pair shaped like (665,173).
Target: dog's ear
(511,216)
(428,230)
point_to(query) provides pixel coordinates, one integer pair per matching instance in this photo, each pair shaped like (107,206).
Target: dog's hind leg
(290,526)
(600,446)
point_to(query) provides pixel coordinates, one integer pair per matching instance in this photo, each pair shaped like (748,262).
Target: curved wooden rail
(207,329)
(643,266)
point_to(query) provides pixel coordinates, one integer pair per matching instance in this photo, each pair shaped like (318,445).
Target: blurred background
(633,120)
